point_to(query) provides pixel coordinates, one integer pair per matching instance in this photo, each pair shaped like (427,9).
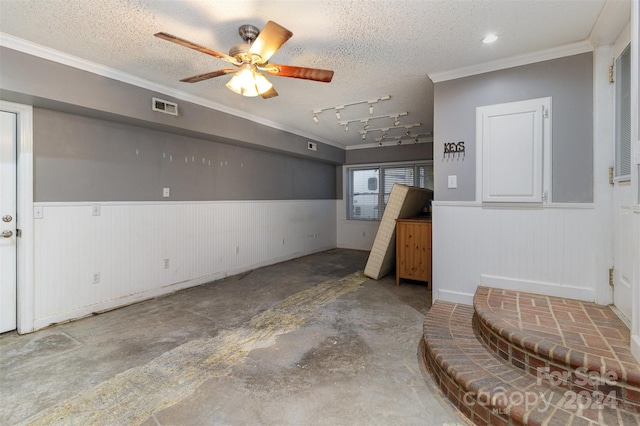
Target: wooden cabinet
(413,249)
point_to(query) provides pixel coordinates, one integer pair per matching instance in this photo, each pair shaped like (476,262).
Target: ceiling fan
(249,58)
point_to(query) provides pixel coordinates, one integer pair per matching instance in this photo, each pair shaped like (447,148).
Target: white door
(8,135)
(622,196)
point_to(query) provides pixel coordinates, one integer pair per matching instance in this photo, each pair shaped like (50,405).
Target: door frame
(24,216)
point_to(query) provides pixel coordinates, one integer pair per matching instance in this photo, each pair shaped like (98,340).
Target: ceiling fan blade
(208,75)
(190,45)
(315,74)
(271,93)
(270,39)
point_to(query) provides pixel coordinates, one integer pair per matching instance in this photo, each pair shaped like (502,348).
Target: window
(369,187)
(623,114)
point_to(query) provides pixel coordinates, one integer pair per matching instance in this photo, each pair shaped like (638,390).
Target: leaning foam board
(404,201)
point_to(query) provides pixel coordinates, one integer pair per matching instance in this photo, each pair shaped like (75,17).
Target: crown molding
(15,43)
(513,61)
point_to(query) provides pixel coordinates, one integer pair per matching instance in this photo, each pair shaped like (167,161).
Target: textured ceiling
(376,48)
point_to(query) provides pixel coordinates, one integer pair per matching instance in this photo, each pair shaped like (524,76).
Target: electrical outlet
(95,210)
(166,192)
(166,263)
(96,278)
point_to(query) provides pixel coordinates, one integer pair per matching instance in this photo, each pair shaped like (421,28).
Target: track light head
(315,119)
(338,116)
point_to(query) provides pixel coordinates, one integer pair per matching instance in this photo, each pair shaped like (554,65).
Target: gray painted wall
(567,80)
(81,158)
(387,154)
(46,84)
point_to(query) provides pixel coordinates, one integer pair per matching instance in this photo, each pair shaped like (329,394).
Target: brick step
(489,390)
(577,345)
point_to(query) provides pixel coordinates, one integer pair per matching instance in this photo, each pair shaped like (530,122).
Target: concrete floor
(305,342)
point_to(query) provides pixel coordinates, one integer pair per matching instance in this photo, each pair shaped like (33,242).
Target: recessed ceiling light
(489,38)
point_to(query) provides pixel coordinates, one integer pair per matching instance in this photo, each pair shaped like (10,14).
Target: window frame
(381,167)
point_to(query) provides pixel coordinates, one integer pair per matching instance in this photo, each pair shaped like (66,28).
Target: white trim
(24,46)
(566,206)
(513,61)
(539,287)
(25,250)
(455,297)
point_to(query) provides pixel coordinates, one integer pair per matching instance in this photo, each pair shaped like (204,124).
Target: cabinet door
(414,250)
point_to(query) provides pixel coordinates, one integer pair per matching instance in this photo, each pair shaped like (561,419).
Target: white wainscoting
(128,242)
(540,250)
(354,234)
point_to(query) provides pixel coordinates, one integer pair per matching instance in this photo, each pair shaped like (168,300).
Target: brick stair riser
(595,383)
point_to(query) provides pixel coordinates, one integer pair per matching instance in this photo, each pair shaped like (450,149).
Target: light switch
(37,213)
(166,192)
(452,182)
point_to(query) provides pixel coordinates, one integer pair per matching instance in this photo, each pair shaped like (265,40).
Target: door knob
(6,234)
(7,218)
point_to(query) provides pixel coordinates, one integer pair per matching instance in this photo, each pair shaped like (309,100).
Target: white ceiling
(376,48)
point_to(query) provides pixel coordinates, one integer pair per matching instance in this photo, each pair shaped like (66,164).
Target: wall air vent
(164,106)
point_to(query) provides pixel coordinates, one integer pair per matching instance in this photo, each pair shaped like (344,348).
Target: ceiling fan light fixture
(247,82)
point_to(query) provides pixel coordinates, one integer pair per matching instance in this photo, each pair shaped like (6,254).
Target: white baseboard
(454,297)
(540,287)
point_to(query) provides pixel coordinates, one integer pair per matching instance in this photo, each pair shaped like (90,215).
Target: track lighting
(315,119)
(338,116)
(366,125)
(399,141)
(380,143)
(364,136)
(337,108)
(416,140)
(396,122)
(346,128)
